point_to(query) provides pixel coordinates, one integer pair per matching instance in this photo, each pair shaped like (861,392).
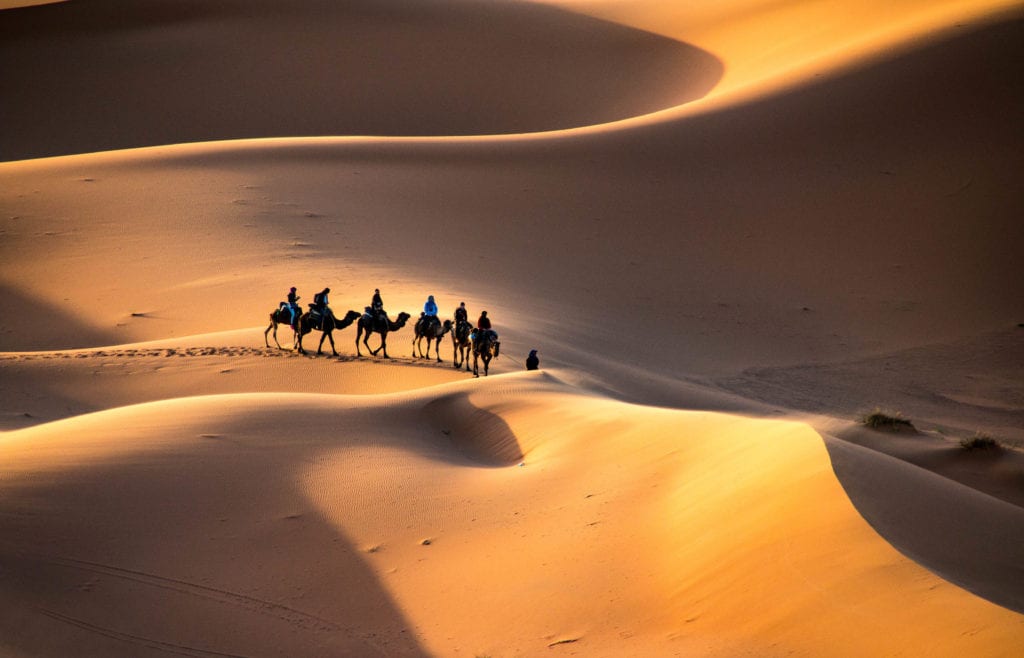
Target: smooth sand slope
(164,71)
(497,519)
(812,223)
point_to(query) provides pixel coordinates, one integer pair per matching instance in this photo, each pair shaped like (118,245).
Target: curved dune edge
(768,47)
(734,33)
(14,4)
(625,529)
(228,70)
(710,533)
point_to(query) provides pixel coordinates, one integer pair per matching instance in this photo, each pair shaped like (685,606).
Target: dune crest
(367,67)
(694,520)
(766,47)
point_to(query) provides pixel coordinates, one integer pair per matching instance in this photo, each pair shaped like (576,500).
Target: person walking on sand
(532,362)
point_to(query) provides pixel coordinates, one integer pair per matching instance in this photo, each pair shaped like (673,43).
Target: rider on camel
(293,305)
(377,304)
(483,329)
(461,314)
(320,303)
(429,312)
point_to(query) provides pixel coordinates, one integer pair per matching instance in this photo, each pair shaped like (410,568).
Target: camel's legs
(273,326)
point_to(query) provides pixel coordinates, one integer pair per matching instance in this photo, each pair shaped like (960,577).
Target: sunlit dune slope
(161,72)
(259,523)
(767,45)
(55,385)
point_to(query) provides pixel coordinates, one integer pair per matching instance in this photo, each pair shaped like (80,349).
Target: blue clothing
(430,308)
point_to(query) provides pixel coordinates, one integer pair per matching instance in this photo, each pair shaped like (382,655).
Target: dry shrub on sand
(880,420)
(980,442)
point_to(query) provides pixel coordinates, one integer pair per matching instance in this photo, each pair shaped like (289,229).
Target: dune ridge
(315,67)
(389,486)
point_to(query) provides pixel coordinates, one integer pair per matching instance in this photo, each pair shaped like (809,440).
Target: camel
(331,323)
(380,324)
(278,316)
(461,344)
(434,332)
(485,347)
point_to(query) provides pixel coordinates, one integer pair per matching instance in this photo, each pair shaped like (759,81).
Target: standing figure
(532,362)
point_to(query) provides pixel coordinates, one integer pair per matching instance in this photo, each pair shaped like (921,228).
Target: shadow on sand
(164,555)
(51,327)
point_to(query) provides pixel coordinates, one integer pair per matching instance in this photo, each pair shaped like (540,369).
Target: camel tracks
(170,352)
(262,606)
(138,640)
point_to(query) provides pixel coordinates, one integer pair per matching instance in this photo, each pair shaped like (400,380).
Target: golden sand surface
(729,228)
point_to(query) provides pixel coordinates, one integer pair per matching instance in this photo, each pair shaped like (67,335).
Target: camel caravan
(481,340)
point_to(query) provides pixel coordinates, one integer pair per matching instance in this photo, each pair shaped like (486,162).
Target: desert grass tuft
(880,420)
(980,442)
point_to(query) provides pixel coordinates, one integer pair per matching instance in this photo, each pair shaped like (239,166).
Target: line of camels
(483,350)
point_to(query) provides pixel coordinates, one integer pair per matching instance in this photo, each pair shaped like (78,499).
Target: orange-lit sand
(798,212)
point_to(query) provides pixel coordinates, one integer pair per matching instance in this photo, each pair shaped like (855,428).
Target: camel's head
(403,317)
(352,315)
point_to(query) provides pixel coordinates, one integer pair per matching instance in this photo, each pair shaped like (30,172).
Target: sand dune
(164,71)
(769,46)
(730,228)
(321,535)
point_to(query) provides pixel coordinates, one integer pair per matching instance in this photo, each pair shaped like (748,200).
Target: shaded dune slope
(965,536)
(166,71)
(176,528)
(298,534)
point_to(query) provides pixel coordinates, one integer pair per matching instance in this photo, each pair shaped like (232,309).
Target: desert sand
(730,229)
